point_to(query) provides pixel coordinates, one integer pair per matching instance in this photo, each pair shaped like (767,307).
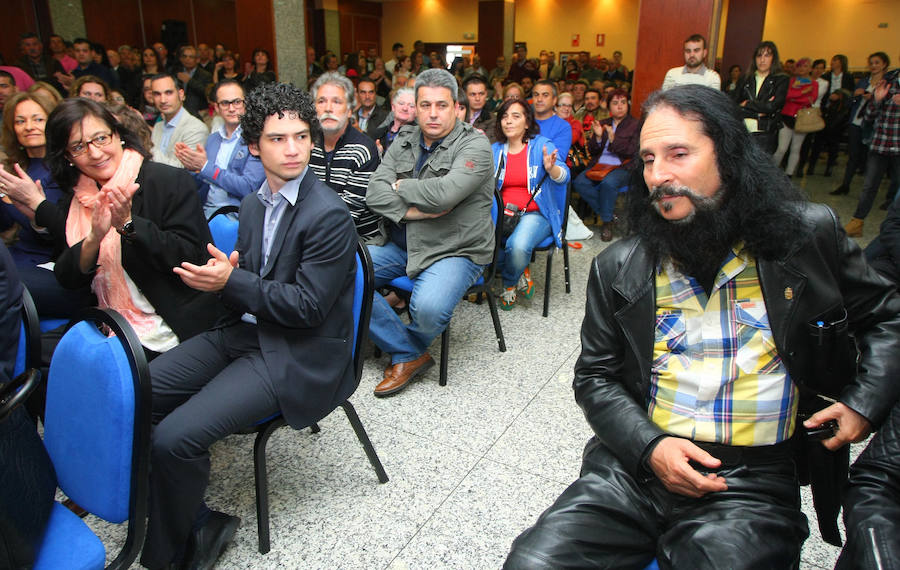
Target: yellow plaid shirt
(716,374)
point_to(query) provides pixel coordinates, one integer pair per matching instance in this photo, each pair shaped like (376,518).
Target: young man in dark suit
(285,346)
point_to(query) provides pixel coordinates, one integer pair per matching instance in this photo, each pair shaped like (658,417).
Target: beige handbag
(809,120)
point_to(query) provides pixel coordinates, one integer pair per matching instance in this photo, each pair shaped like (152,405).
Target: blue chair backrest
(21,350)
(89,420)
(224,232)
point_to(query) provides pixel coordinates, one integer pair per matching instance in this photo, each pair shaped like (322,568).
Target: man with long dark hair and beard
(717,369)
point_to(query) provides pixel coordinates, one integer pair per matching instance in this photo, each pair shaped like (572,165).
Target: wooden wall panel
(662,27)
(18,17)
(158,11)
(255,28)
(215,22)
(127,29)
(743,31)
(490,32)
(360,25)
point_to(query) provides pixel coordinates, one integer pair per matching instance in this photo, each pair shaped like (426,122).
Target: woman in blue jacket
(532,176)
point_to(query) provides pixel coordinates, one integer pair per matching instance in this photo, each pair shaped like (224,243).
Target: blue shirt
(218,196)
(276,204)
(169,128)
(559,131)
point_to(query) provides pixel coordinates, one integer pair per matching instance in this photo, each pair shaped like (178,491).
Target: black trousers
(205,389)
(610,519)
(768,141)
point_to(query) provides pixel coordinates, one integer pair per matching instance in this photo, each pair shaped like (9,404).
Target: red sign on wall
(601,39)
(576,40)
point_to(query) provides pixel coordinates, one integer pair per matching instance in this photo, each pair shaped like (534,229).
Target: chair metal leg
(445,355)
(498,330)
(364,440)
(566,266)
(262,483)
(547,280)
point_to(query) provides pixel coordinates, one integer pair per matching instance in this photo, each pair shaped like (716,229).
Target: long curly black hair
(756,207)
(277,99)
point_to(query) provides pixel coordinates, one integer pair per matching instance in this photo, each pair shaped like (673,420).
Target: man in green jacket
(434,188)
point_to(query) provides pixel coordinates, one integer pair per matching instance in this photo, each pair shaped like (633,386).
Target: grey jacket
(456,177)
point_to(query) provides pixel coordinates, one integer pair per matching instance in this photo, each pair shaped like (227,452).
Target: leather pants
(872,502)
(610,519)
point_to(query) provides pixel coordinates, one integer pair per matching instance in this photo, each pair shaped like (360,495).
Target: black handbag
(511,213)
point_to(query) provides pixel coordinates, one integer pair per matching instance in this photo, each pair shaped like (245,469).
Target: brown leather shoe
(396,377)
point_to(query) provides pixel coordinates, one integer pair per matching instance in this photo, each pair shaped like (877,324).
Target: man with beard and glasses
(346,158)
(711,332)
(694,71)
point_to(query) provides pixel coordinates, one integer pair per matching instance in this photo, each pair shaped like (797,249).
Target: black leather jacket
(821,277)
(766,105)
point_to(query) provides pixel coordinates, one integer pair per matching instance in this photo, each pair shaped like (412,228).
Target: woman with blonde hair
(47,89)
(90,87)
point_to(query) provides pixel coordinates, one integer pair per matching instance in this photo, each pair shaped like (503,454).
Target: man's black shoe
(208,542)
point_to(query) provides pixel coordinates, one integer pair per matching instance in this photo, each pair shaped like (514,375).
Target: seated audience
(382,79)
(227,68)
(224,168)
(128,222)
(435,179)
(368,115)
(38,65)
(403,112)
(84,55)
(612,144)
(551,126)
(47,90)
(90,87)
(531,172)
(761,95)
(402,72)
(177,124)
(195,80)
(476,89)
(150,62)
(513,91)
(801,94)
(345,158)
(8,88)
(261,71)
(26,182)
(284,347)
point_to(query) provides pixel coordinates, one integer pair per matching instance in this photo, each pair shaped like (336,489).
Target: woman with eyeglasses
(25,182)
(127,222)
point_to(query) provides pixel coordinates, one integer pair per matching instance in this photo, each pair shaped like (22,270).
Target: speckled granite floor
(471,464)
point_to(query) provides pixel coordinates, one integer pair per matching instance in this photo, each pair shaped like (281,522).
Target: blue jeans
(601,196)
(876,166)
(531,230)
(436,291)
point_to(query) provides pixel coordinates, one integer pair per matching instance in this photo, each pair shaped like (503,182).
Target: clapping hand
(212,276)
(192,159)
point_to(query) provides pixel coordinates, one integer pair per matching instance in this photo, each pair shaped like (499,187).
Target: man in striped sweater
(345,158)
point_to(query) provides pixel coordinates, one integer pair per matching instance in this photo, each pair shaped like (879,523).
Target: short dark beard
(697,244)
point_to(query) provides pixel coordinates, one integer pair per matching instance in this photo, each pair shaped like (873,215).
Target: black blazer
(766,105)
(169,228)
(302,298)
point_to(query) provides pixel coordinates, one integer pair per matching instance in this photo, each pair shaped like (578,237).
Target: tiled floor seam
(483,457)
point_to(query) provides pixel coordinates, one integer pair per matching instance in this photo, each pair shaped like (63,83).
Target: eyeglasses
(79,148)
(233,102)
(563,104)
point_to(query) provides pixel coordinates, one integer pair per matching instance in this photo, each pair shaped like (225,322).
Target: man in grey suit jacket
(286,345)
(177,124)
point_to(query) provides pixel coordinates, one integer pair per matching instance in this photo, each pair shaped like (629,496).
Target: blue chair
(362,310)
(97,433)
(27,367)
(224,228)
(481,286)
(549,245)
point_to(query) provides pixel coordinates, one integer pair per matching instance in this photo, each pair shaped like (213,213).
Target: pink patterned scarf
(109,282)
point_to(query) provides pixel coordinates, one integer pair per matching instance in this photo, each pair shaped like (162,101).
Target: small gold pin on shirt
(788,293)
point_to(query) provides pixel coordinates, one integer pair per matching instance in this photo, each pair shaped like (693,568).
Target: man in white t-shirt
(694,71)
